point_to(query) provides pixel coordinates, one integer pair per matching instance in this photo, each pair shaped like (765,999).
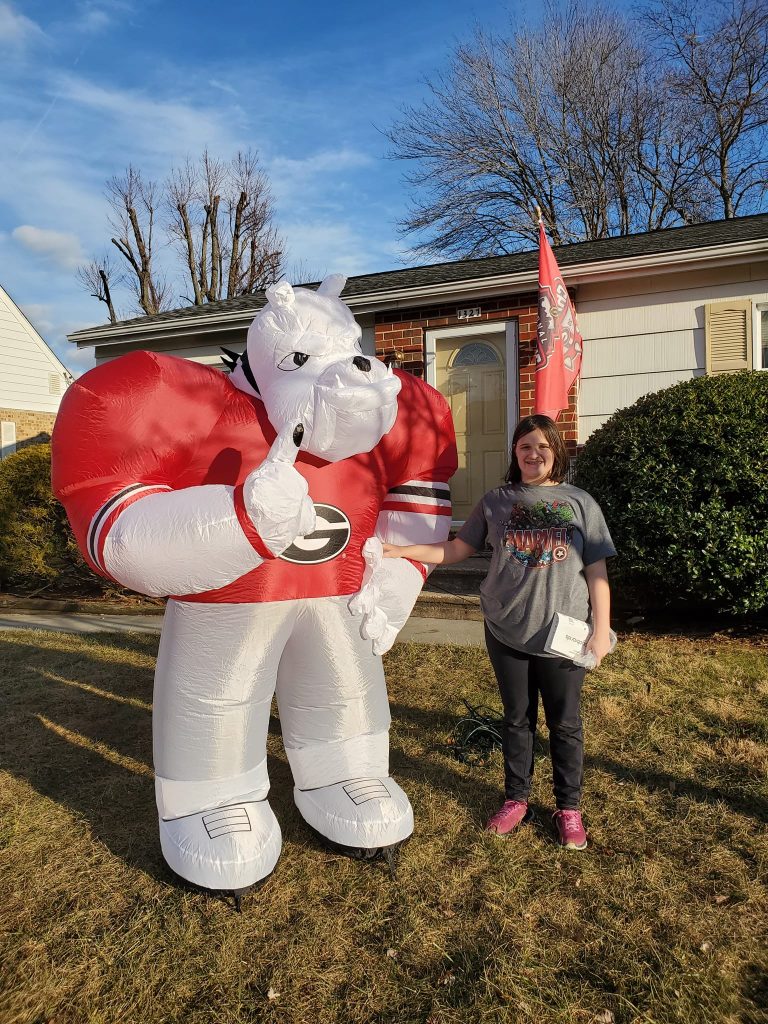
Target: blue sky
(91,85)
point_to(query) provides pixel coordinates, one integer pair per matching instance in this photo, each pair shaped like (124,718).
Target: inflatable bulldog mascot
(257,502)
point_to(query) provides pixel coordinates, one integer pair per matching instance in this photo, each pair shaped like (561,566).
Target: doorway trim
(511,346)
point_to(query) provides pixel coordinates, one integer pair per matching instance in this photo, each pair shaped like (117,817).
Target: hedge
(682,478)
(37,548)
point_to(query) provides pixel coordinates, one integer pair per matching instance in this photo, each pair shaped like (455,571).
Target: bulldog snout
(362,363)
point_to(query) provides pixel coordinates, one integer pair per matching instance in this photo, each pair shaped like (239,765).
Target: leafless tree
(220,217)
(217,214)
(715,62)
(134,204)
(99,277)
(580,115)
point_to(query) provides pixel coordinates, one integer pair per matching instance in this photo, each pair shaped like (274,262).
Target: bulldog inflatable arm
(249,501)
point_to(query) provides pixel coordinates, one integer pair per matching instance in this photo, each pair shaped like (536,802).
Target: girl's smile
(535,458)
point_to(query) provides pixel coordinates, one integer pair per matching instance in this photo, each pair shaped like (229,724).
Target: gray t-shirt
(541,538)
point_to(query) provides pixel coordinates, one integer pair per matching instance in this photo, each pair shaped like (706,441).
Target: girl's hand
(600,645)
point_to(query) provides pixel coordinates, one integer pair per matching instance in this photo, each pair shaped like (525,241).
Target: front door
(470,373)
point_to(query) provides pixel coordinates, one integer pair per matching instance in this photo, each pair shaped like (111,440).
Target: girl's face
(535,458)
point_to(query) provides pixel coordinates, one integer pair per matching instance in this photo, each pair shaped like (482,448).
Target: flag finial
(537,208)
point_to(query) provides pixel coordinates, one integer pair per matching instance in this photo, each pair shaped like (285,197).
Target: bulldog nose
(362,363)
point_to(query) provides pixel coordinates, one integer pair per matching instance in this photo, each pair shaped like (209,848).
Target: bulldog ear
(332,286)
(281,295)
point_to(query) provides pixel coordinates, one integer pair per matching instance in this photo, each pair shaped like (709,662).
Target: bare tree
(583,117)
(220,217)
(99,277)
(134,204)
(715,59)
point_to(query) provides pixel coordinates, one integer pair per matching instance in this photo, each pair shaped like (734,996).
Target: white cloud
(16,28)
(39,315)
(155,130)
(330,247)
(324,162)
(78,360)
(60,247)
(97,15)
(216,83)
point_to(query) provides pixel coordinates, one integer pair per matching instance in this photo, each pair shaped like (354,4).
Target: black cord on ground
(476,736)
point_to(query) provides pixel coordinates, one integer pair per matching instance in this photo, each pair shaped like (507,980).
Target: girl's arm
(596,575)
(447,553)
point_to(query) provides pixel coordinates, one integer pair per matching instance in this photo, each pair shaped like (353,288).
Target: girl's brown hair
(549,429)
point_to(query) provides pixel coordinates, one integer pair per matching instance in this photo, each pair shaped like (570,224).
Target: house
(32,381)
(654,309)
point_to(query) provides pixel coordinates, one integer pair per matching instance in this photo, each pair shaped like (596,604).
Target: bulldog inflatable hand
(247,500)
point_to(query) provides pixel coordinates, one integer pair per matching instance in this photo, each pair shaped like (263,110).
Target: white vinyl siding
(208,355)
(645,335)
(27,365)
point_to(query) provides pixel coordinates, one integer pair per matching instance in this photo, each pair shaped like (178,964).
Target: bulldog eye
(293,361)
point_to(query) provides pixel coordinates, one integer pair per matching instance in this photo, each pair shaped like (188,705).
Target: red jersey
(146,423)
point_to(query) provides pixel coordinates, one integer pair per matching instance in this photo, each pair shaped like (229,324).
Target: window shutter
(729,336)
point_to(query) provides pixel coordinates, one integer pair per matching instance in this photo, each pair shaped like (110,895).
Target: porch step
(453,592)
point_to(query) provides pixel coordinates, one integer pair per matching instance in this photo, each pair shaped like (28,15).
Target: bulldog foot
(226,850)
(360,817)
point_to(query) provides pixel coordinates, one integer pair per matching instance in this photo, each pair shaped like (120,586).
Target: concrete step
(453,591)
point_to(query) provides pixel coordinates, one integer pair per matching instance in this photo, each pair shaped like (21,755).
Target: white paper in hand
(568,637)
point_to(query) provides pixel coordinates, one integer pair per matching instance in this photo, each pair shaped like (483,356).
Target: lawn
(662,920)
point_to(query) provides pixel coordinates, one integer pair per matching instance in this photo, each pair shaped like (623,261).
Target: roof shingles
(696,236)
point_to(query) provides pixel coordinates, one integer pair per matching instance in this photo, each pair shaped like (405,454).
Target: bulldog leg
(214,682)
(334,715)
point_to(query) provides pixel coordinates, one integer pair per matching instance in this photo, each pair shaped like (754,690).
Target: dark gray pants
(522,678)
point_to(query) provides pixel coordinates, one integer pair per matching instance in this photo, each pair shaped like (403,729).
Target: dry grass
(661,921)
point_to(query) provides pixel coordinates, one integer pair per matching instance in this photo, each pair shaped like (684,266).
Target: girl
(549,542)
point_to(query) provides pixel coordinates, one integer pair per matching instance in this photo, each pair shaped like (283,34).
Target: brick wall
(31,427)
(402,334)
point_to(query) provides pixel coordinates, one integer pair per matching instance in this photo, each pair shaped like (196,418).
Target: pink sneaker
(570,830)
(511,814)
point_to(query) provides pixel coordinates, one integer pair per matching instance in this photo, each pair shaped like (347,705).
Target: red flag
(558,342)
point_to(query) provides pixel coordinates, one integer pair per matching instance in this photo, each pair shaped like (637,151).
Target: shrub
(682,477)
(37,548)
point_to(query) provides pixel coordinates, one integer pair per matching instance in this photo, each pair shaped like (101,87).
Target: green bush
(682,477)
(37,548)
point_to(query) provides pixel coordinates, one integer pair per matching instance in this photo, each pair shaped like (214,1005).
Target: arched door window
(476,354)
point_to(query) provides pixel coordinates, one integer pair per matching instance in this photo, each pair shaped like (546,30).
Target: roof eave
(380,301)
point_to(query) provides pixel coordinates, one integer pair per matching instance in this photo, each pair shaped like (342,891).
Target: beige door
(470,373)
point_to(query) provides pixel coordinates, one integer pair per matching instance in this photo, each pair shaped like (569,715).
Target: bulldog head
(304,355)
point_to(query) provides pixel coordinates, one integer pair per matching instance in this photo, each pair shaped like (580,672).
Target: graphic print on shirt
(538,535)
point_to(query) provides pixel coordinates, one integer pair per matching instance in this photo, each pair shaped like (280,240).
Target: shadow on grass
(80,733)
(750,805)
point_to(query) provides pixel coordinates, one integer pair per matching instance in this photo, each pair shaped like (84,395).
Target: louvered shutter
(729,336)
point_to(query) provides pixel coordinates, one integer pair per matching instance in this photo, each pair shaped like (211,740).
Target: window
(476,354)
(761,348)
(7,439)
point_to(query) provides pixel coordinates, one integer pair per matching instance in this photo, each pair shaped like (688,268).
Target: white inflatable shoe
(226,850)
(361,816)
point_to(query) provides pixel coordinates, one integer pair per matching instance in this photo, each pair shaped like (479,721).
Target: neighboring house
(32,381)
(654,309)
